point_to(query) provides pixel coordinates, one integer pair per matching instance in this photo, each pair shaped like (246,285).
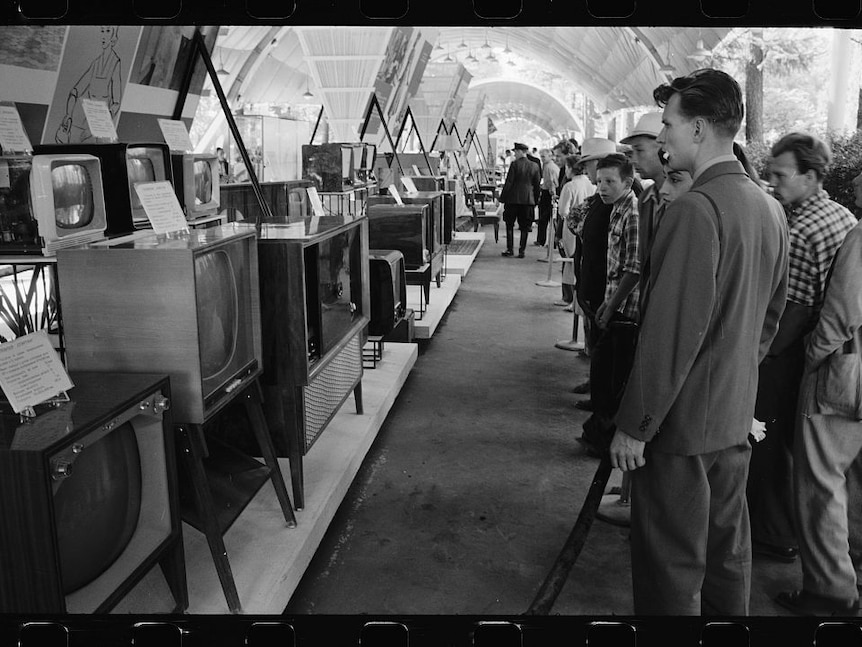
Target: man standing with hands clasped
(716,291)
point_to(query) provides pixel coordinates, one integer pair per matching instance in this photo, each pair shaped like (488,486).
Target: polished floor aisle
(475,479)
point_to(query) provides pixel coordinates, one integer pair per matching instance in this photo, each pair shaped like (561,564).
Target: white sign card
(99,119)
(416,170)
(316,204)
(31,371)
(394,193)
(162,207)
(408,184)
(12,135)
(176,135)
(5,181)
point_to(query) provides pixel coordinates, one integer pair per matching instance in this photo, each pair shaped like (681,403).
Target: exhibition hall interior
(266,345)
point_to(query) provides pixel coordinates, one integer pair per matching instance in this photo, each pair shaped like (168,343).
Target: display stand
(615,508)
(549,282)
(224,481)
(422,276)
(573,343)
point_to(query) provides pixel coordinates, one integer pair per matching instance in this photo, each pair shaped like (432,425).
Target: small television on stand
(332,167)
(196,183)
(123,166)
(52,202)
(315,303)
(89,498)
(404,228)
(388,290)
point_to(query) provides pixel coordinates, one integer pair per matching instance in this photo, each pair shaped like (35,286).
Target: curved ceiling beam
(488,85)
(253,60)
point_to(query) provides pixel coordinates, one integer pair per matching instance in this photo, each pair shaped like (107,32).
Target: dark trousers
(610,364)
(523,215)
(770,477)
(545,210)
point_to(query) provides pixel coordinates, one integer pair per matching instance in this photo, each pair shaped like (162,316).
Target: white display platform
(267,558)
(461,263)
(441,298)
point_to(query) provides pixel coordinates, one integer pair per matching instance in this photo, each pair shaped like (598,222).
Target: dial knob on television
(161,404)
(62,470)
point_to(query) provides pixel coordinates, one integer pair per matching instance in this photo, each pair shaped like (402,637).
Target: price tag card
(416,170)
(394,193)
(176,135)
(99,119)
(316,204)
(408,184)
(31,371)
(12,135)
(162,207)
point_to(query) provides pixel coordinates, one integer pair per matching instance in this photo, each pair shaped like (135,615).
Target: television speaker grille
(329,388)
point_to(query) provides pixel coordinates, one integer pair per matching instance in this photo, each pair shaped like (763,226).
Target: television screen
(72,188)
(96,508)
(340,286)
(217,312)
(203,182)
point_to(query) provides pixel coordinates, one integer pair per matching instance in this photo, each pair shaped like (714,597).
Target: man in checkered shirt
(617,316)
(817,226)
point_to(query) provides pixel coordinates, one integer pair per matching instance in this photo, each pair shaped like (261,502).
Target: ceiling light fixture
(507,50)
(667,68)
(471,58)
(307,94)
(448,58)
(463,45)
(486,45)
(221,71)
(700,53)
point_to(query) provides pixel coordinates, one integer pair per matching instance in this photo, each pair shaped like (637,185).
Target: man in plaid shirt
(817,226)
(617,316)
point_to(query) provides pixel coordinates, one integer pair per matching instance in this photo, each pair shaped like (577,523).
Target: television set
(51,202)
(403,228)
(429,182)
(315,288)
(187,306)
(366,166)
(196,182)
(123,166)
(435,202)
(332,167)
(388,290)
(88,497)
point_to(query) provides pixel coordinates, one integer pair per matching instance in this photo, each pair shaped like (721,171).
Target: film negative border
(836,13)
(426,631)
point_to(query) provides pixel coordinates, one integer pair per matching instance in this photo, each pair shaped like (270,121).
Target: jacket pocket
(839,386)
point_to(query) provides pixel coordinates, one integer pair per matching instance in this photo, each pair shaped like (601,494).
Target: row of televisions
(189,307)
(68,194)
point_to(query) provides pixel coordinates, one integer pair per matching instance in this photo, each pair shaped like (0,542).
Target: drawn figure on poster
(101,82)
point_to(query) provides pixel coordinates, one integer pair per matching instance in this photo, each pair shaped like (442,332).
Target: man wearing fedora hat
(519,194)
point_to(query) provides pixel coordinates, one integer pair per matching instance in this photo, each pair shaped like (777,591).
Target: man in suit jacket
(715,294)
(519,195)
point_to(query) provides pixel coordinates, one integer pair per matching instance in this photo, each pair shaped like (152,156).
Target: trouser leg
(510,236)
(690,545)
(523,243)
(825,448)
(770,480)
(727,582)
(568,292)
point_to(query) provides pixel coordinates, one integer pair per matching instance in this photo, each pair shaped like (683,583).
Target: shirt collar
(818,196)
(709,163)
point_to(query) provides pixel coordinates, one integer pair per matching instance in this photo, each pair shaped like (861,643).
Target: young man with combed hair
(716,291)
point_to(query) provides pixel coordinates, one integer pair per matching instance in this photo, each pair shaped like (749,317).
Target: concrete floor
(475,479)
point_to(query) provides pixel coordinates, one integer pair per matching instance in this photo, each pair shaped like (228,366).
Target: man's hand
(627,453)
(603,315)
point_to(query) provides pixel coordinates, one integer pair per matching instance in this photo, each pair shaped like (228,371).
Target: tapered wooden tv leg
(254,409)
(193,450)
(357,396)
(173,567)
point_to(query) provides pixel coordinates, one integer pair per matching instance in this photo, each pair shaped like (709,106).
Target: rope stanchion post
(549,282)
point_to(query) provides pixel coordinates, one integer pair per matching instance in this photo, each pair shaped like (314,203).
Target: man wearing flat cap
(519,197)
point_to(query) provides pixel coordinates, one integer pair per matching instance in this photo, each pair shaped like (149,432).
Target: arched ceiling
(616,67)
(508,99)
